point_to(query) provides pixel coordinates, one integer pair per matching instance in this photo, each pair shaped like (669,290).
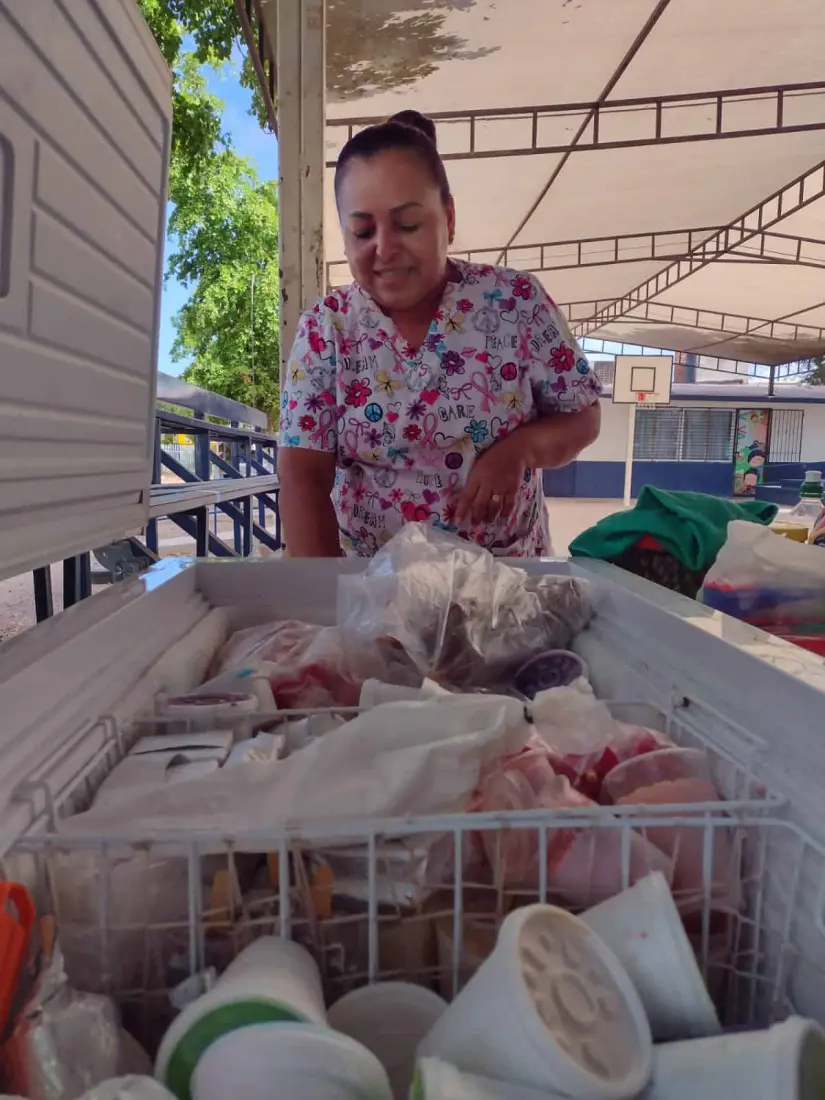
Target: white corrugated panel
(85,123)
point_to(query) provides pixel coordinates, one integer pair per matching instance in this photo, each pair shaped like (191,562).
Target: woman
(431,389)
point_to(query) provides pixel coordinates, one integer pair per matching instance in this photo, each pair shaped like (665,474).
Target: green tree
(817,375)
(226,231)
(212,29)
(223,224)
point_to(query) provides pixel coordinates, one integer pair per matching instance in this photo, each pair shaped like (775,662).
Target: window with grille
(785,437)
(684,435)
(605,371)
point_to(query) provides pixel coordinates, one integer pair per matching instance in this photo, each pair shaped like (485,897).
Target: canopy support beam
(301,105)
(657,120)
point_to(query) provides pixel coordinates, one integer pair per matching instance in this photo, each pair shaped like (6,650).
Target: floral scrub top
(406,426)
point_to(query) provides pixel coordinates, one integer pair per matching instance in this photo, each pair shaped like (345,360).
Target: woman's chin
(395,293)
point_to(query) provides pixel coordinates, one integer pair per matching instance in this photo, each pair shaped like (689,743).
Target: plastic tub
(584,865)
(787,1062)
(685,844)
(643,927)
(390,1019)
(591,870)
(526,782)
(289,1062)
(553,1009)
(218,710)
(273,980)
(375,692)
(664,765)
(551,669)
(437,1080)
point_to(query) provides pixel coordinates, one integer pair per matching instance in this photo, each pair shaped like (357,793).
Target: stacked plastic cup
(787,1062)
(289,1062)
(643,927)
(273,981)
(437,1080)
(390,1019)
(552,1008)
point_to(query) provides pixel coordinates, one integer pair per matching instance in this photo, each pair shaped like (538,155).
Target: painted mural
(750,450)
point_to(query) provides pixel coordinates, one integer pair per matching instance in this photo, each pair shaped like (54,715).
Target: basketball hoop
(640,382)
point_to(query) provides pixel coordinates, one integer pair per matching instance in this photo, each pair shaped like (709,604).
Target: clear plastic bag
(463,618)
(773,583)
(64,1042)
(309,665)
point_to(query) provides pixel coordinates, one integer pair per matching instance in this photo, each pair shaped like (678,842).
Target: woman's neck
(414,323)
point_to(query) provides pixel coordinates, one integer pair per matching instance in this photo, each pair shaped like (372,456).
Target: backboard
(642,379)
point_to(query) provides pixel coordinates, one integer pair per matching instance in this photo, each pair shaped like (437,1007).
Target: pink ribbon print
(326,424)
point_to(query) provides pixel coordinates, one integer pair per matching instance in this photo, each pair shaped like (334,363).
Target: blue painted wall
(790,471)
(605,480)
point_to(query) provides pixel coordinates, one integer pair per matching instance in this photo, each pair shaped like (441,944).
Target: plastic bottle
(810,497)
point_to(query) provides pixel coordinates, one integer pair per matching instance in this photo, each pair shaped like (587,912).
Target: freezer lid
(85,125)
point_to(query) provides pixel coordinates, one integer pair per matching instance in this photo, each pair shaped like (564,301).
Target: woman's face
(396,228)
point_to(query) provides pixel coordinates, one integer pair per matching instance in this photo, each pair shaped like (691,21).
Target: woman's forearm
(557,439)
(307,512)
(309,522)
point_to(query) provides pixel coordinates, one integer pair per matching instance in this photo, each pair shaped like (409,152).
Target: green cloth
(692,527)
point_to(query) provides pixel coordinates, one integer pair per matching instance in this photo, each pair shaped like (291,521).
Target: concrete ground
(568,518)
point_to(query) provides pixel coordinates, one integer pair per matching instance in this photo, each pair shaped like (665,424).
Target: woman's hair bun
(416,121)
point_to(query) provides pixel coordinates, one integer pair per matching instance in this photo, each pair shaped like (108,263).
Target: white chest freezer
(70,687)
(84,140)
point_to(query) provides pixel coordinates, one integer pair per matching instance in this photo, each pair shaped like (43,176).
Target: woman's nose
(386,242)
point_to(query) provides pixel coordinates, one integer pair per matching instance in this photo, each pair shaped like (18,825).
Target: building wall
(813,434)
(599,471)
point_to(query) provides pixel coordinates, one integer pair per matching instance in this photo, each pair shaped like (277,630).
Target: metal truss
(608,124)
(743,232)
(731,325)
(742,367)
(667,246)
(253,27)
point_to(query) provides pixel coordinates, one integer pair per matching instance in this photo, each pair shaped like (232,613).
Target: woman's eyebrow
(395,210)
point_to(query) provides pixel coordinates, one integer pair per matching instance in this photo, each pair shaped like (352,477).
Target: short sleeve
(308,403)
(560,376)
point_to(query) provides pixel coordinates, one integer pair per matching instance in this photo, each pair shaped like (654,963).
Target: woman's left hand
(493,485)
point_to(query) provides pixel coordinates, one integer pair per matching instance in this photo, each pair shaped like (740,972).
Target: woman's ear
(450,220)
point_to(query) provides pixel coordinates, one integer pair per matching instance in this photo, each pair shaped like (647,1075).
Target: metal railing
(229,470)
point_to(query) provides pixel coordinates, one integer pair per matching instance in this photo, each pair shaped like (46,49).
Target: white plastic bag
(394,760)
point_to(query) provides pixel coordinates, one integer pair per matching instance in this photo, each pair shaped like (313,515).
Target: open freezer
(142,910)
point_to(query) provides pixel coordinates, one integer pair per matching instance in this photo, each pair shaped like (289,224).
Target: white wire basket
(421,898)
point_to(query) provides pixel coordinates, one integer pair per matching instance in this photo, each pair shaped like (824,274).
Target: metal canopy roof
(659,164)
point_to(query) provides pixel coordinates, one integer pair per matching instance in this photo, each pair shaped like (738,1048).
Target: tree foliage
(226,232)
(223,225)
(817,375)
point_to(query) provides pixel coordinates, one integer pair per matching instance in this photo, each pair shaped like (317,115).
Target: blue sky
(250,141)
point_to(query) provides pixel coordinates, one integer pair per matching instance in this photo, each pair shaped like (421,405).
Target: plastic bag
(64,1042)
(773,583)
(584,741)
(396,759)
(309,665)
(308,670)
(464,618)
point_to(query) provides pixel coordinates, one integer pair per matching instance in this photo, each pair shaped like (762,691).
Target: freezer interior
(139,912)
